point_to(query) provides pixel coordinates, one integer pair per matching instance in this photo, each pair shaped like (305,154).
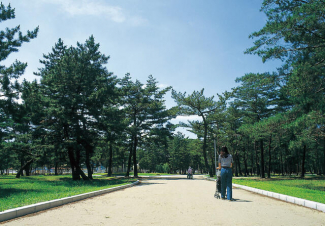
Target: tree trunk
(74,161)
(262,159)
(256,159)
(75,175)
(269,167)
(303,162)
(110,159)
(88,164)
(317,168)
(22,168)
(27,169)
(129,161)
(81,173)
(56,168)
(205,147)
(238,163)
(135,171)
(245,163)
(252,162)
(324,158)
(282,164)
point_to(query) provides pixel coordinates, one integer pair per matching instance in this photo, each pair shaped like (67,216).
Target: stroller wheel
(216,195)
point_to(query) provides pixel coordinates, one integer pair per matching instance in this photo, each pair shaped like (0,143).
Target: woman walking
(225,164)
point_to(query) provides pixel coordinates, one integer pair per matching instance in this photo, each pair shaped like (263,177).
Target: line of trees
(79,115)
(273,122)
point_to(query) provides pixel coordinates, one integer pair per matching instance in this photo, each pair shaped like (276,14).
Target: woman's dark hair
(225,150)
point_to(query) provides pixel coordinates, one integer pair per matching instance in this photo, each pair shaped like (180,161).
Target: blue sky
(186,44)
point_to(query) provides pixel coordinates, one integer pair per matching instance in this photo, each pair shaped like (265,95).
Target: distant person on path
(225,164)
(189,171)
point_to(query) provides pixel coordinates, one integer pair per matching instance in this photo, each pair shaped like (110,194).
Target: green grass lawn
(310,188)
(29,190)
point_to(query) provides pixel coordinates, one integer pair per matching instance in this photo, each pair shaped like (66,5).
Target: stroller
(217,194)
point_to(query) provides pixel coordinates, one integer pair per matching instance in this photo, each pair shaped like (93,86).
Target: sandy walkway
(175,202)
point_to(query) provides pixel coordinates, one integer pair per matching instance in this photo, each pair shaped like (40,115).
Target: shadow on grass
(65,182)
(6,192)
(68,182)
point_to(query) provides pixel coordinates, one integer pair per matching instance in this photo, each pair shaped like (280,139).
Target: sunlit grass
(29,190)
(310,188)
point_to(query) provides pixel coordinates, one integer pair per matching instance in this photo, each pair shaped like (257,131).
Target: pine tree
(145,108)
(197,104)
(76,87)
(10,41)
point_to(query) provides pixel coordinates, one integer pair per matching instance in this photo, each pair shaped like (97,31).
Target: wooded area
(78,115)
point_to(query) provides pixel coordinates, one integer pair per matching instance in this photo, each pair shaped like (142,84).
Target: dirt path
(175,202)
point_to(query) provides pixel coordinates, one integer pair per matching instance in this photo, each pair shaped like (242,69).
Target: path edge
(286,198)
(22,211)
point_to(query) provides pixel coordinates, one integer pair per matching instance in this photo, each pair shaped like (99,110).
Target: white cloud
(162,86)
(97,8)
(186,118)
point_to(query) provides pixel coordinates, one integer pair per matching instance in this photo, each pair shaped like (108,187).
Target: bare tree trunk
(324,158)
(205,147)
(129,161)
(135,166)
(269,167)
(88,164)
(27,164)
(245,164)
(238,163)
(110,159)
(75,175)
(262,159)
(252,162)
(282,164)
(303,162)
(256,159)
(245,161)
(318,166)
(56,168)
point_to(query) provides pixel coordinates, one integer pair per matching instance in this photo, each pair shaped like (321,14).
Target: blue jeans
(226,181)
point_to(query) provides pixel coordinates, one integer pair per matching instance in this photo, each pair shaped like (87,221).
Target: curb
(285,198)
(21,211)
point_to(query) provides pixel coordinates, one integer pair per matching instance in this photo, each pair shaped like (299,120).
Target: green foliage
(81,115)
(10,118)
(144,106)
(77,86)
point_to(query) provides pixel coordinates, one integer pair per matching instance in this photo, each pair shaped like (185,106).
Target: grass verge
(30,190)
(310,188)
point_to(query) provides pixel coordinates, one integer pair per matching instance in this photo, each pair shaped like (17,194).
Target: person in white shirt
(225,164)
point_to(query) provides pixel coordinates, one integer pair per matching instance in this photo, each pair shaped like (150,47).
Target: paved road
(175,202)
